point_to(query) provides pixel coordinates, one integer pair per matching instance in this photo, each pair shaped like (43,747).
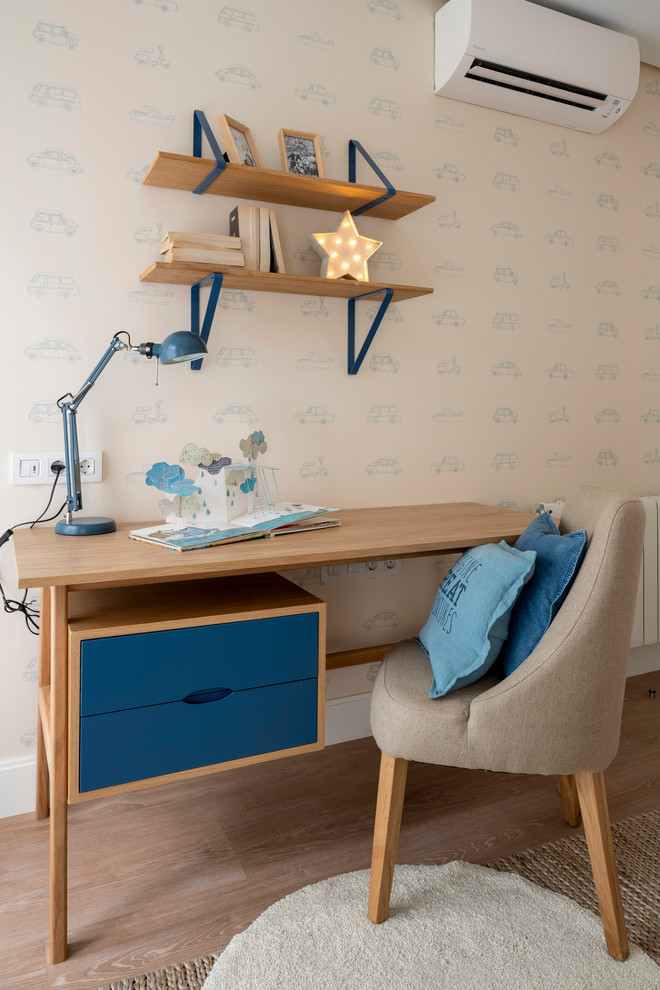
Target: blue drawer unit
(119,672)
(189,698)
(160,739)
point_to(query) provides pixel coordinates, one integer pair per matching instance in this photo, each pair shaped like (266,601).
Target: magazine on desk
(294,518)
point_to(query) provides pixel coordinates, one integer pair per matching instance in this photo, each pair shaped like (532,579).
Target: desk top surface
(45,559)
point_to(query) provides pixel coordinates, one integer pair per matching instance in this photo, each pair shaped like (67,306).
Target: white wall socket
(34,467)
(371,568)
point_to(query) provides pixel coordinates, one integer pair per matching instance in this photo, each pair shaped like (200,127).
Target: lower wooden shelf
(176,273)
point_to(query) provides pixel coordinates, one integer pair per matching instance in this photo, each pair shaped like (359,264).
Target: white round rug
(456,926)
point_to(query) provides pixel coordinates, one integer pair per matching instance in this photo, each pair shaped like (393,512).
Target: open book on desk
(294,518)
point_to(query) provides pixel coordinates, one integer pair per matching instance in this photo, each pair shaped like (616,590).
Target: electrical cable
(11,605)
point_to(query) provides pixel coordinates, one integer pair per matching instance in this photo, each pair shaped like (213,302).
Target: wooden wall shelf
(176,273)
(171,171)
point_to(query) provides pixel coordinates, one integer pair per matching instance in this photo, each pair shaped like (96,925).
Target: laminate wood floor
(170,873)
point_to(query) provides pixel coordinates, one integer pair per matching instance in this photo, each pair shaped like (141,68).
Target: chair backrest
(560,711)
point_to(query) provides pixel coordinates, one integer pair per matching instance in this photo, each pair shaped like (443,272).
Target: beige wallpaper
(535,364)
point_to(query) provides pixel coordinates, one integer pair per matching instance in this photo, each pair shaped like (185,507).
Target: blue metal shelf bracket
(353,361)
(201,124)
(354,146)
(216,284)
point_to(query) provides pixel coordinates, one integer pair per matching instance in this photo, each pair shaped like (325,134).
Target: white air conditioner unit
(517,56)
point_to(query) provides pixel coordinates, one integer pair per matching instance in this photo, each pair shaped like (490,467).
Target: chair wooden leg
(593,803)
(569,799)
(391,790)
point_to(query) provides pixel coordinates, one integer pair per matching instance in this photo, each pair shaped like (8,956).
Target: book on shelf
(185,238)
(277,256)
(264,239)
(294,518)
(203,256)
(257,228)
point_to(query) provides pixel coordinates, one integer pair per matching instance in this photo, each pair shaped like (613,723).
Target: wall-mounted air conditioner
(517,56)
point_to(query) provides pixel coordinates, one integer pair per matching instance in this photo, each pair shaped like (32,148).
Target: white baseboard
(18,782)
(644,659)
(347,718)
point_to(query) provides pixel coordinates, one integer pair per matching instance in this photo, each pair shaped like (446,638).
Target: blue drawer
(121,672)
(139,743)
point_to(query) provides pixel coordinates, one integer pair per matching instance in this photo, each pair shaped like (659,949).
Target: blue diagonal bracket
(353,361)
(216,284)
(353,147)
(201,124)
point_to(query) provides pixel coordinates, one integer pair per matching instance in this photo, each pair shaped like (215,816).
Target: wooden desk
(62,564)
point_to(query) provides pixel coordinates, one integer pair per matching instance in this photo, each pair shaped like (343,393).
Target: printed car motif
(559,237)
(449,317)
(236,413)
(384,465)
(55,34)
(506,368)
(238,17)
(607,415)
(506,227)
(385,108)
(448,463)
(238,74)
(54,222)
(449,171)
(231,354)
(53,347)
(559,370)
(314,362)
(386,617)
(384,414)
(314,92)
(49,94)
(54,158)
(384,362)
(314,414)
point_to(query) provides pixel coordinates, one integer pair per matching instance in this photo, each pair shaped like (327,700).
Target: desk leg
(58,773)
(44,681)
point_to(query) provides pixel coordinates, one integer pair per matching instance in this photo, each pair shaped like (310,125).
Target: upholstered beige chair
(558,713)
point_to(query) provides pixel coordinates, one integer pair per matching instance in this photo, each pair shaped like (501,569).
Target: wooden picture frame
(238,141)
(300,153)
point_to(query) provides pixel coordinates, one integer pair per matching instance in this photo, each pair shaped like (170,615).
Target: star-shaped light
(343,251)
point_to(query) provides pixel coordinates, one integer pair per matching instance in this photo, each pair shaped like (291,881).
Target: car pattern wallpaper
(533,366)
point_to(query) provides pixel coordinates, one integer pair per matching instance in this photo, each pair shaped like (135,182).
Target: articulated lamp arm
(177,347)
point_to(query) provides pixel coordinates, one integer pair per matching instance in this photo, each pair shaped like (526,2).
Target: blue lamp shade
(182,345)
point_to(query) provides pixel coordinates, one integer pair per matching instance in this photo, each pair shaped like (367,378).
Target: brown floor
(170,873)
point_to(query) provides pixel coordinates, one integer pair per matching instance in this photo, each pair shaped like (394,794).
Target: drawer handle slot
(207,695)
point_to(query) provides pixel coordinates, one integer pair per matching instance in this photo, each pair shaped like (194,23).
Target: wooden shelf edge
(176,273)
(172,171)
(352,658)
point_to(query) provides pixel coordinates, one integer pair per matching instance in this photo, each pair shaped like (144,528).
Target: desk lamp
(177,347)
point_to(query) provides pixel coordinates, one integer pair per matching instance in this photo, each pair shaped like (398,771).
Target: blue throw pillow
(557,561)
(470,614)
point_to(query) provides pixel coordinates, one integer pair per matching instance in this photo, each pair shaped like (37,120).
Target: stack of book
(256,227)
(207,249)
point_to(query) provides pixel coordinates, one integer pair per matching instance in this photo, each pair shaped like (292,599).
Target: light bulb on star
(344,251)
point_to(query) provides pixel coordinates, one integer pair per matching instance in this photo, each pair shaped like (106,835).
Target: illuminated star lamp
(344,251)
(178,347)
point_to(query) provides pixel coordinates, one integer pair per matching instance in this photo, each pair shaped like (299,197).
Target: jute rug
(501,911)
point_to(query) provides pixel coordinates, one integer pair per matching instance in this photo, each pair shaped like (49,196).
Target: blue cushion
(470,614)
(557,561)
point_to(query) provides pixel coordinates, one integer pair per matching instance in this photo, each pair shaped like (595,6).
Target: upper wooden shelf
(271,186)
(176,273)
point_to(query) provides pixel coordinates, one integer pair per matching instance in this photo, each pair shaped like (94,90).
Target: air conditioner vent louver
(503,75)
(528,59)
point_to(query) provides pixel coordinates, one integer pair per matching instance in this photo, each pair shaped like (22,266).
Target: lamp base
(86,526)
